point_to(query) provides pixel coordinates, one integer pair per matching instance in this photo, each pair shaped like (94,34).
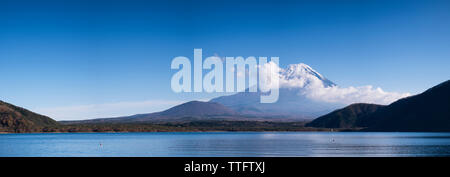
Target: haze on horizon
(80,59)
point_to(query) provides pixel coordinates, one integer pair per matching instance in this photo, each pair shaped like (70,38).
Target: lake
(228,144)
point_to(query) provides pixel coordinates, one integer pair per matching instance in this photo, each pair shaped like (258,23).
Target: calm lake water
(233,144)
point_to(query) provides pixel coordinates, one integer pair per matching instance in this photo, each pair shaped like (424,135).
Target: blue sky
(78,54)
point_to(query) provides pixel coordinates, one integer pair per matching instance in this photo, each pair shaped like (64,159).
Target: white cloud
(313,88)
(349,95)
(106,110)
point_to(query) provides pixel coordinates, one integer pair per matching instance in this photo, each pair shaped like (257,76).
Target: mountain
(291,103)
(197,108)
(428,111)
(346,117)
(193,110)
(304,72)
(17,119)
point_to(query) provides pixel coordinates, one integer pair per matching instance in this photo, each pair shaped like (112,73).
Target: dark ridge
(425,112)
(428,111)
(345,117)
(17,119)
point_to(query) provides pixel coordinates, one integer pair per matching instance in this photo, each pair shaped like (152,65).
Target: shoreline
(111,132)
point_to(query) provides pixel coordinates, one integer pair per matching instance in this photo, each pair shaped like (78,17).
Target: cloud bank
(349,95)
(312,86)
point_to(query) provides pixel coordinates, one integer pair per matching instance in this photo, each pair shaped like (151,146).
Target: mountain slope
(291,103)
(190,110)
(17,119)
(197,108)
(428,111)
(346,117)
(194,110)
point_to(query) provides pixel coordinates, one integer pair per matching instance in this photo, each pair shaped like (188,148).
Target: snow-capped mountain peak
(299,75)
(301,69)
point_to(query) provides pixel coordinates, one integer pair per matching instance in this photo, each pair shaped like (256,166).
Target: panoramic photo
(224,79)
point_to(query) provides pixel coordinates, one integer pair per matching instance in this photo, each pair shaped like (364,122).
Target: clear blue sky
(69,53)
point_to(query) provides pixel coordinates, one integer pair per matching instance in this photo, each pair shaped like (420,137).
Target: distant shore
(173,132)
(196,126)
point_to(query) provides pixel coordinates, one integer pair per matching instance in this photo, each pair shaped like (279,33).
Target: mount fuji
(304,94)
(295,80)
(293,103)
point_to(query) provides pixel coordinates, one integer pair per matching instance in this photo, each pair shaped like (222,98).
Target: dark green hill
(428,111)
(425,112)
(17,119)
(345,117)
